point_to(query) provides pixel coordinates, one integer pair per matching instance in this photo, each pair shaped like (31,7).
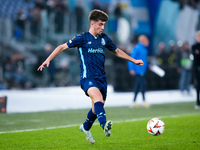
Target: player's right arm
(119,53)
(56,52)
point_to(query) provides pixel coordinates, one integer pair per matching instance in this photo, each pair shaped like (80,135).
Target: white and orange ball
(155,126)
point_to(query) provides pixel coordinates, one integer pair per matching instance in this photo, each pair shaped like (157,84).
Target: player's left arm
(56,52)
(121,54)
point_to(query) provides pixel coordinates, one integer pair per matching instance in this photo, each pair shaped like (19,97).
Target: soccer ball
(155,126)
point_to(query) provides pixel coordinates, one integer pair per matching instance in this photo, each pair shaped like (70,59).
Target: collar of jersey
(93,35)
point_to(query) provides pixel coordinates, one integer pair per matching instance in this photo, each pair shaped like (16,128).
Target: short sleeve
(75,41)
(110,45)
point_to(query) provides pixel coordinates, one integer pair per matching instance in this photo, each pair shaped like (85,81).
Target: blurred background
(31,29)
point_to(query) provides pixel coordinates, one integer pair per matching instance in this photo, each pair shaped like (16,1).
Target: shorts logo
(103,41)
(90,83)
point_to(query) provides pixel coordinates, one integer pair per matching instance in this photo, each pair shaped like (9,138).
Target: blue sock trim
(91,117)
(100,113)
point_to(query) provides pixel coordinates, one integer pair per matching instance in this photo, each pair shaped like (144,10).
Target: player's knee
(95,94)
(99,100)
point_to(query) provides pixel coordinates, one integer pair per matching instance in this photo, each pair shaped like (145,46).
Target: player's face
(98,27)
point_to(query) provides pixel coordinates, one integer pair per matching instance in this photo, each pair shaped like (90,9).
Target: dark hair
(96,15)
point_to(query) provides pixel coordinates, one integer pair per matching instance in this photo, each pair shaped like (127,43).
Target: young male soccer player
(91,46)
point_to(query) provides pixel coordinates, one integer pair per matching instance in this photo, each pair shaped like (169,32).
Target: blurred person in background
(36,21)
(196,67)
(51,69)
(61,8)
(8,69)
(117,11)
(20,24)
(172,60)
(79,13)
(14,71)
(91,46)
(44,22)
(173,79)
(96,4)
(139,52)
(20,76)
(186,69)
(50,4)
(162,61)
(179,55)
(106,7)
(162,57)
(46,78)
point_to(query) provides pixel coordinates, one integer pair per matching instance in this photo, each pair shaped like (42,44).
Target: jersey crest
(103,41)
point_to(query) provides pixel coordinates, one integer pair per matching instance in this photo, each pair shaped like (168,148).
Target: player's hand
(46,63)
(139,62)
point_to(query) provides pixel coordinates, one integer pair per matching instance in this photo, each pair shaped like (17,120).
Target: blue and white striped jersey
(92,53)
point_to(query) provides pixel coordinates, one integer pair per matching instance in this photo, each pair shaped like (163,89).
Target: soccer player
(91,47)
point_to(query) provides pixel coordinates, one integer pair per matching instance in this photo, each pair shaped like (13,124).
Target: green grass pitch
(59,130)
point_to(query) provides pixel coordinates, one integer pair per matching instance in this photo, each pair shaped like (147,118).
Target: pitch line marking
(73,125)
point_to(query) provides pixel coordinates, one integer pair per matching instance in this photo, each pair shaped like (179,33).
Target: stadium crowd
(35,21)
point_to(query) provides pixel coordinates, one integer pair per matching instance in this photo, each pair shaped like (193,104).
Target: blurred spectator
(50,4)
(179,55)
(171,79)
(39,4)
(14,71)
(46,78)
(172,60)
(44,22)
(162,61)
(139,52)
(8,69)
(106,8)
(38,75)
(96,5)
(192,3)
(63,75)
(162,57)
(196,66)
(36,21)
(2,87)
(51,69)
(186,69)
(113,27)
(20,78)
(79,12)
(20,24)
(117,11)
(61,8)
(74,72)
